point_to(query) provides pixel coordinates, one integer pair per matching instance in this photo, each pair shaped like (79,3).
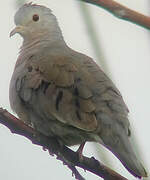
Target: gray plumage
(64,93)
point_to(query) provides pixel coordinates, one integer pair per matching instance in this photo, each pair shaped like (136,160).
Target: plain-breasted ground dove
(64,93)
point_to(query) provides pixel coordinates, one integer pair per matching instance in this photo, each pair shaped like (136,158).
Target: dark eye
(35,17)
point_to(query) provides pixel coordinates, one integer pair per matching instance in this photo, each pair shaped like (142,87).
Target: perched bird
(64,93)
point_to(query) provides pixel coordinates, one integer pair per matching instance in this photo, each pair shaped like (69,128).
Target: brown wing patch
(65,78)
(68,99)
(86,105)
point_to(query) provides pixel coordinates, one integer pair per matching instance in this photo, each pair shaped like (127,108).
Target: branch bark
(122,12)
(63,153)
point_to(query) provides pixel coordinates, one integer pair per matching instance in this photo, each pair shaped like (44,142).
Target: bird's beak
(18,29)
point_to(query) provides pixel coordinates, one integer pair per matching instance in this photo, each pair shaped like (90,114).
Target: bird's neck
(43,38)
(39,42)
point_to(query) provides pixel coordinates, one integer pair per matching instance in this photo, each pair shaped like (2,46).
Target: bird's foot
(80,150)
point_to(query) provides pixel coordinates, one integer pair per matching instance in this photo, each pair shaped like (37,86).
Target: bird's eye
(35,17)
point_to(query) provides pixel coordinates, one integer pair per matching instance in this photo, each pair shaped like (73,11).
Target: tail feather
(120,146)
(130,162)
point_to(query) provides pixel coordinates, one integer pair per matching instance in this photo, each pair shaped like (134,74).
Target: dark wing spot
(58,99)
(129,132)
(45,86)
(31,56)
(78,115)
(77,103)
(30,68)
(76,92)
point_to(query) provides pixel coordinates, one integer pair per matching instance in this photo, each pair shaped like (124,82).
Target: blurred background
(121,48)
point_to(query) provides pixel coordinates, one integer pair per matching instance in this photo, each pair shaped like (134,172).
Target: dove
(65,94)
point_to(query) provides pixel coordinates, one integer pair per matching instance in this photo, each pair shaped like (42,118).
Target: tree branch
(63,153)
(122,12)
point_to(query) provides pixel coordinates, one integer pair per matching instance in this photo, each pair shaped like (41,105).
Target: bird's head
(34,21)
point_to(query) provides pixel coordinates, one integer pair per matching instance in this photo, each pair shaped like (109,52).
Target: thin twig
(63,153)
(122,12)
(76,173)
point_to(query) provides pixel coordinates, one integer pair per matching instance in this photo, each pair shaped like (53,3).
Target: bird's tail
(121,147)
